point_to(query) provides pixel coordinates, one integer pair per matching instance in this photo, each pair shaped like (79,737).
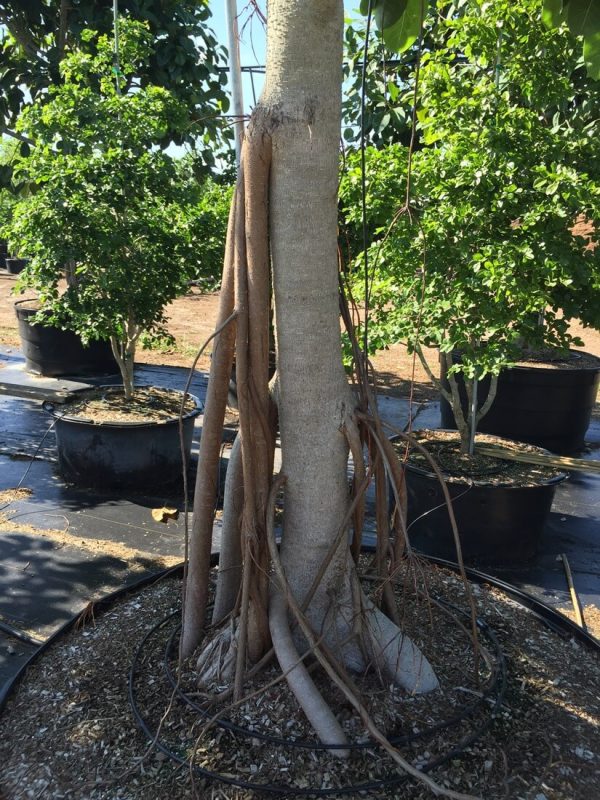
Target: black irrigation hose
(548,615)
(499,679)
(202,772)
(99,605)
(15,633)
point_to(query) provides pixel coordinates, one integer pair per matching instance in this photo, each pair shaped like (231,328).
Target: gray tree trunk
(303,97)
(302,103)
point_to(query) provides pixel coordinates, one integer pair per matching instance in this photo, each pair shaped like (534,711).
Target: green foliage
(7,202)
(485,249)
(583,19)
(9,149)
(184,59)
(105,202)
(208,227)
(399,21)
(387,117)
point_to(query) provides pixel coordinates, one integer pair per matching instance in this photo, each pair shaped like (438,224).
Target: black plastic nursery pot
(3,254)
(547,406)
(497,524)
(121,455)
(55,353)
(15,265)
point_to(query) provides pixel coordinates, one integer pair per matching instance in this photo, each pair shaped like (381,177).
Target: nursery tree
(386,77)
(284,214)
(104,201)
(207,222)
(483,259)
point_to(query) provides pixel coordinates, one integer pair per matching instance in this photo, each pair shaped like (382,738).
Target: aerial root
(332,666)
(230,558)
(355,442)
(395,654)
(217,659)
(320,716)
(195,597)
(252,292)
(245,294)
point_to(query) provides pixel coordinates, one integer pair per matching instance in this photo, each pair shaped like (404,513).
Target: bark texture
(205,492)
(302,98)
(301,103)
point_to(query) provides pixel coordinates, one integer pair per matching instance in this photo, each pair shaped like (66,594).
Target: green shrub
(106,204)
(484,260)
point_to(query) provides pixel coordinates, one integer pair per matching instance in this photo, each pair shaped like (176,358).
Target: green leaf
(582,16)
(591,54)
(398,20)
(583,19)
(552,13)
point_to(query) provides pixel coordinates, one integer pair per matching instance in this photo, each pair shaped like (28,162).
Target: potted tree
(113,207)
(483,261)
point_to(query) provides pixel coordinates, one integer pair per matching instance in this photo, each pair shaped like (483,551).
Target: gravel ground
(68,731)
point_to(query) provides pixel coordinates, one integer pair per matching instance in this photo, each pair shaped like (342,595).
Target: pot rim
(456,480)
(23,312)
(50,408)
(27,300)
(576,354)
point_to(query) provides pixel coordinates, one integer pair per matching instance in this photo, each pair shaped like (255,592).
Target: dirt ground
(191,320)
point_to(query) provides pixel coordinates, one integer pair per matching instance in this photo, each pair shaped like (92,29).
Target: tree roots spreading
(255,610)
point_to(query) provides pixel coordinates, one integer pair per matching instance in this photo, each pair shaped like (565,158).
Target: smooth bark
(230,558)
(302,100)
(205,492)
(301,106)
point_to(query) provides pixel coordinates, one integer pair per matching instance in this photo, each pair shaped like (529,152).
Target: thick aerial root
(199,562)
(395,654)
(230,559)
(320,716)
(252,292)
(246,287)
(365,638)
(356,448)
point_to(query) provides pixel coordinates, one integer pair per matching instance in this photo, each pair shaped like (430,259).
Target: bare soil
(191,320)
(478,469)
(148,404)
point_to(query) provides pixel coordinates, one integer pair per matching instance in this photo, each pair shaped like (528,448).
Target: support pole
(574,596)
(235,74)
(116,63)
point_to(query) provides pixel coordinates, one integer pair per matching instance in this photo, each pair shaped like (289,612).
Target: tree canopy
(103,200)
(186,58)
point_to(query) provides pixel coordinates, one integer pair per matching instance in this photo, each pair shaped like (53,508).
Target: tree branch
(436,381)
(16,135)
(491,396)
(61,38)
